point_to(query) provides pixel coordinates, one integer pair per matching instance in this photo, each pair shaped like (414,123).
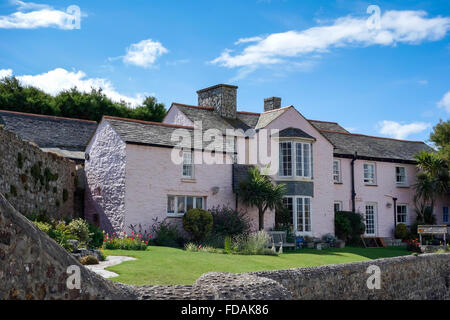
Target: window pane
(369,173)
(336,171)
(337,207)
(307,213)
(401,213)
(445,214)
(199,202)
(187,164)
(306,160)
(181,204)
(300,214)
(189,203)
(370,219)
(288,203)
(299,159)
(285,159)
(171,204)
(400,174)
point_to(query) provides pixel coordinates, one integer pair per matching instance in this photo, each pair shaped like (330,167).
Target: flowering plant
(413,245)
(126,242)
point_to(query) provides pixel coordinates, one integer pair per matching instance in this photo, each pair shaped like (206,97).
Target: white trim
(339,175)
(401,184)
(294,214)
(339,203)
(407,215)
(191,176)
(293,176)
(194,204)
(375,218)
(374,182)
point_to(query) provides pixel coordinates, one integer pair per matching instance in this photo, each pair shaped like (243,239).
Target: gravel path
(110,261)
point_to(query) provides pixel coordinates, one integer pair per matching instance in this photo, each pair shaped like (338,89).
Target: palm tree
(259,191)
(433,181)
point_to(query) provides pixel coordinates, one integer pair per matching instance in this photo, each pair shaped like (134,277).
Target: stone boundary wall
(34,181)
(34,267)
(424,277)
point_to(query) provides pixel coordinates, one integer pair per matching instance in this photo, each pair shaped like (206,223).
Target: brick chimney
(272,103)
(222,97)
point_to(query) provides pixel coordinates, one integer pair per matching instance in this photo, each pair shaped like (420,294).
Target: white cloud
(445,102)
(57,80)
(410,27)
(401,131)
(247,40)
(32,15)
(144,53)
(5,73)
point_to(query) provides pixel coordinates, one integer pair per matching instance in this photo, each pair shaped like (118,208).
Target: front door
(371,219)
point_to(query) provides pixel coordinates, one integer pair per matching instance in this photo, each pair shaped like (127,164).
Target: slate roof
(374,147)
(345,143)
(157,134)
(325,125)
(65,136)
(294,132)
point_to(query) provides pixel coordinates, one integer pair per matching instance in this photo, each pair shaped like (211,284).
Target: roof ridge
(291,106)
(191,106)
(323,121)
(365,135)
(149,122)
(251,113)
(45,116)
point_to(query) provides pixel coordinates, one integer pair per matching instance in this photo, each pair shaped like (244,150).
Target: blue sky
(389,76)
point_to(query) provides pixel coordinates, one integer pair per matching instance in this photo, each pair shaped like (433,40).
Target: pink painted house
(132,176)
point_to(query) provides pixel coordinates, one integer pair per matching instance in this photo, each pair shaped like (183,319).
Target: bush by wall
(198,223)
(349,226)
(401,231)
(166,234)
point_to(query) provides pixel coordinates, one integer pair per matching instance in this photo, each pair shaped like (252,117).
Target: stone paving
(109,262)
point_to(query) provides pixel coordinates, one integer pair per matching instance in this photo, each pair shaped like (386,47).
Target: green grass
(168,266)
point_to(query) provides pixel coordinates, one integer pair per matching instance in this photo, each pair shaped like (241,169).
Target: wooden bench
(278,238)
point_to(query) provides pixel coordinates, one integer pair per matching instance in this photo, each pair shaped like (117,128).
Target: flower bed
(125,242)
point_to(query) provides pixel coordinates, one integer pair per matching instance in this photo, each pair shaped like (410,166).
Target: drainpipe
(353,181)
(395,213)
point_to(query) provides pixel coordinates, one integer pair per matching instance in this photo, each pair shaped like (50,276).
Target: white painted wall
(105,178)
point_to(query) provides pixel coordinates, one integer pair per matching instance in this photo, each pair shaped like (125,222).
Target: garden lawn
(168,266)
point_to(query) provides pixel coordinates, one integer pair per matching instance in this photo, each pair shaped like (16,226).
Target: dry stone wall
(34,267)
(34,181)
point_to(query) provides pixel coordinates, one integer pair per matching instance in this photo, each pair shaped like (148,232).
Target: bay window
(295,159)
(299,208)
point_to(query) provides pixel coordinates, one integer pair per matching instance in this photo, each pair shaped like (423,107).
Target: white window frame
(188,162)
(337,203)
(194,204)
(406,213)
(372,181)
(295,214)
(405,182)
(294,160)
(375,218)
(337,176)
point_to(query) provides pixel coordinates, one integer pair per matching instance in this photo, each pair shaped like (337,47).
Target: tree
(73,103)
(441,138)
(433,181)
(259,191)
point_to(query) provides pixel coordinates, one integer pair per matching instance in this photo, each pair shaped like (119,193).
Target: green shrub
(95,236)
(255,243)
(349,226)
(44,226)
(198,223)
(166,234)
(192,247)
(229,222)
(401,231)
(227,244)
(88,260)
(80,229)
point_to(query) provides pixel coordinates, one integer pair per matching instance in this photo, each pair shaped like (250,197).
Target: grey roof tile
(375,147)
(158,134)
(325,125)
(48,131)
